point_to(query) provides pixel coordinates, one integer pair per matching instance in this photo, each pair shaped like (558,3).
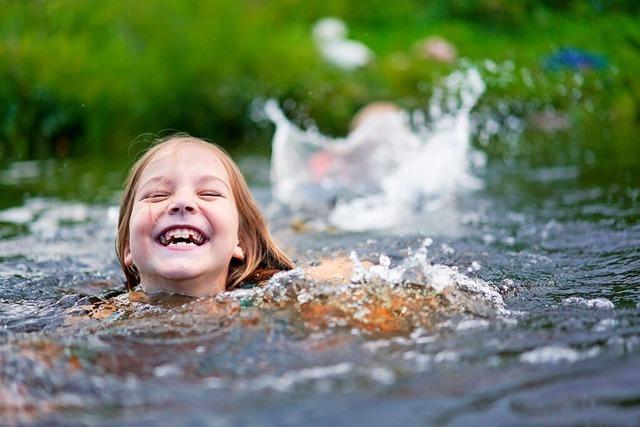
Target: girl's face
(183,230)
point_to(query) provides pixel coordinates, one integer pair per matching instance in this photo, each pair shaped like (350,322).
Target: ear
(238,252)
(128,259)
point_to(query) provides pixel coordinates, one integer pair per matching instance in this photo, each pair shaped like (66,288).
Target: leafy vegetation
(82,78)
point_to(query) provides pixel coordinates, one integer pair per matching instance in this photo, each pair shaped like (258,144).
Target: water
(513,300)
(390,169)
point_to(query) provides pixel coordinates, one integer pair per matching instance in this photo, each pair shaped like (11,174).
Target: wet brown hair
(263,257)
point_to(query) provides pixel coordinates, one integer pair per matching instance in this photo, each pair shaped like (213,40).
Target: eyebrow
(207,178)
(154,180)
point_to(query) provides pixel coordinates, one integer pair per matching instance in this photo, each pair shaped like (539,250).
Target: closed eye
(210,194)
(154,196)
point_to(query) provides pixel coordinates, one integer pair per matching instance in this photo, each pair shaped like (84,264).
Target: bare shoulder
(338,269)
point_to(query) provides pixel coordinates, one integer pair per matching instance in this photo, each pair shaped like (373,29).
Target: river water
(513,300)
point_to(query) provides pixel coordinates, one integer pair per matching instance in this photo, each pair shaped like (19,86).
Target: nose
(182,206)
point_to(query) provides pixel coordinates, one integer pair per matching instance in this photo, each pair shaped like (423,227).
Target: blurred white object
(330,36)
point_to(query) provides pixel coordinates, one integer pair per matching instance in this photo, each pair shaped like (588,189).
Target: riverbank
(86,78)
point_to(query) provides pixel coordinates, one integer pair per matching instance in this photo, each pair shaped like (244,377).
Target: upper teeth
(190,235)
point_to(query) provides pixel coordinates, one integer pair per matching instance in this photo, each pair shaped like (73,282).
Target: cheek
(227,215)
(235,218)
(141,223)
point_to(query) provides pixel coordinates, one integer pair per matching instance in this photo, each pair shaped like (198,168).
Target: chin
(180,275)
(177,269)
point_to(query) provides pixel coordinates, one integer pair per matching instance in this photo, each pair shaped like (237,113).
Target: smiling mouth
(181,236)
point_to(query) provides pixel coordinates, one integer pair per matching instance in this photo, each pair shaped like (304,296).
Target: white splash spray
(393,166)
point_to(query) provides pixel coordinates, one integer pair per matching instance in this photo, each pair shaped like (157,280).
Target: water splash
(474,294)
(390,168)
(402,295)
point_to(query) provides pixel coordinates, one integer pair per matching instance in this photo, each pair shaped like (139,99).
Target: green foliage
(500,12)
(81,77)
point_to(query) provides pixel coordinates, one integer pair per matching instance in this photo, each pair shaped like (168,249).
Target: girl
(188,223)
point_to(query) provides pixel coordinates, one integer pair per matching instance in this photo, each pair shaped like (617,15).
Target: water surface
(560,245)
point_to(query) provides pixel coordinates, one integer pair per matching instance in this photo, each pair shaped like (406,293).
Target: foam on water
(557,354)
(45,217)
(411,291)
(391,167)
(596,303)
(290,379)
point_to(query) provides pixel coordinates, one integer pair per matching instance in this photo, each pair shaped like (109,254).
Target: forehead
(185,159)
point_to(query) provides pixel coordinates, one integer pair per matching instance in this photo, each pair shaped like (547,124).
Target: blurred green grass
(87,78)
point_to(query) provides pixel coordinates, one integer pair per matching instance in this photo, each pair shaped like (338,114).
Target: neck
(196,287)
